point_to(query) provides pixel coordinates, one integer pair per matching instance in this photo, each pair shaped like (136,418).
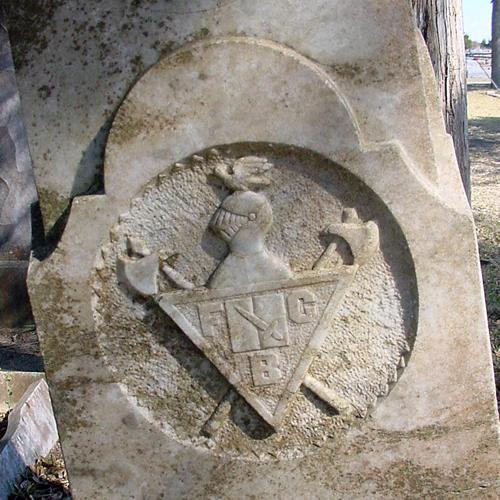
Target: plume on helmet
(249,173)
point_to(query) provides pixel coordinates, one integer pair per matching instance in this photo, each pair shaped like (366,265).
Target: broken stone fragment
(31,433)
(137,247)
(362,237)
(140,276)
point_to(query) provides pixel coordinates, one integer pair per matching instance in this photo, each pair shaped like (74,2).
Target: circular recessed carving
(256,300)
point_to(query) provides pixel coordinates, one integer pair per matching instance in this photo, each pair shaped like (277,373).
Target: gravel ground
(484,142)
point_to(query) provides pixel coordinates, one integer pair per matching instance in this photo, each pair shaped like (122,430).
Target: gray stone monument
(17,194)
(277,293)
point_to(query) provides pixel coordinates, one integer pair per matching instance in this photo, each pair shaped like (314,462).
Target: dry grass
(46,480)
(484,141)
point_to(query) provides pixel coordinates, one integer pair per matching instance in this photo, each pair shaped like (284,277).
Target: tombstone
(17,194)
(276,291)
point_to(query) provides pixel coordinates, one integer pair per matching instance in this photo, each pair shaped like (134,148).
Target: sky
(477,19)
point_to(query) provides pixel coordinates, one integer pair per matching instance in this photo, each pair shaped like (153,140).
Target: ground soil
(19,350)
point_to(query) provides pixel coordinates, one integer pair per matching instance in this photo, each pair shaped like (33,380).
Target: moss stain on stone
(183,57)
(52,206)
(130,123)
(29,24)
(137,64)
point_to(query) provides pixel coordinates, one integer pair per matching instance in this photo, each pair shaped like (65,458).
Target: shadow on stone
(247,419)
(15,309)
(89,177)
(205,374)
(319,403)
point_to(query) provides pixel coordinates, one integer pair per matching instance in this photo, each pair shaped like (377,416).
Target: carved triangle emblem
(262,338)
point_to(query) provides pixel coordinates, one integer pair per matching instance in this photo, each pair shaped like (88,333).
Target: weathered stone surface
(31,434)
(17,194)
(105,47)
(279,293)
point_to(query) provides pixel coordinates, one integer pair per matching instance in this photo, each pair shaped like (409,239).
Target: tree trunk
(495,44)
(441,24)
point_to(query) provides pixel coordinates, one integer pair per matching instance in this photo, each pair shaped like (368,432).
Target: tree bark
(441,24)
(495,43)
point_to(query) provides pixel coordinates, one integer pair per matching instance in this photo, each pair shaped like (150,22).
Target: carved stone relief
(256,287)
(236,314)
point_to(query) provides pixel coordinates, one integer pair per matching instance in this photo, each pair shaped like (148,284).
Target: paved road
(476,72)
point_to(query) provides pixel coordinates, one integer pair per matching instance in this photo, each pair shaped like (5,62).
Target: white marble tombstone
(278,292)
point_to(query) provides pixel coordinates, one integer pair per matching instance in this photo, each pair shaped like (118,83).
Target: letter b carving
(265,369)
